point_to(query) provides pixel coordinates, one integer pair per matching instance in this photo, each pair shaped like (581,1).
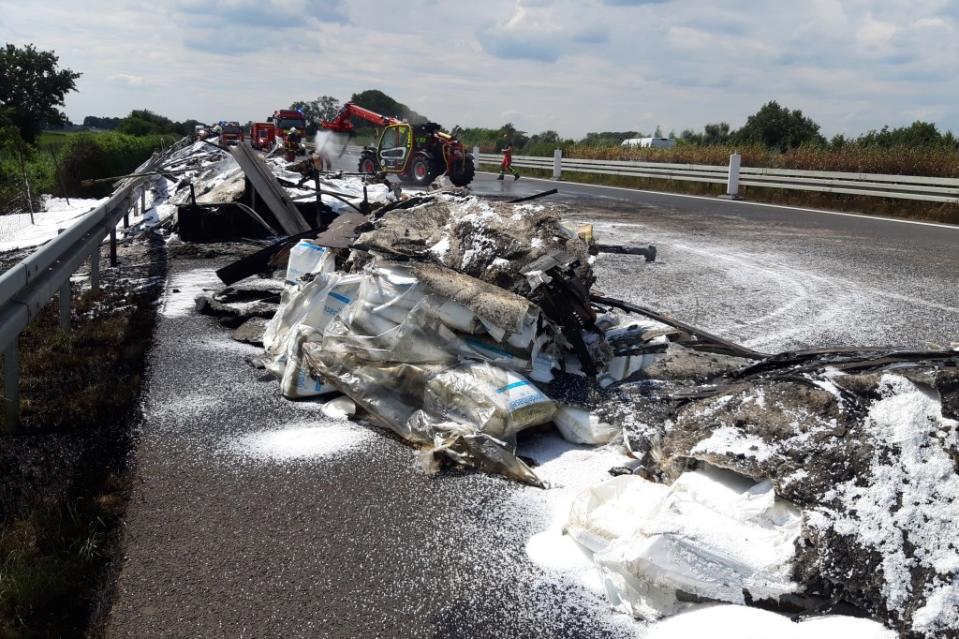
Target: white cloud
(875,34)
(127,79)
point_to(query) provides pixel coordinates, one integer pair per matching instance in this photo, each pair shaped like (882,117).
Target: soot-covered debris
(458,323)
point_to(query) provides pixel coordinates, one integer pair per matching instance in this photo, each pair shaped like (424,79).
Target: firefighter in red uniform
(507,164)
(292,144)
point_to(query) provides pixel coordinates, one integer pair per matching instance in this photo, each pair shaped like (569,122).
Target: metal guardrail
(30,285)
(904,187)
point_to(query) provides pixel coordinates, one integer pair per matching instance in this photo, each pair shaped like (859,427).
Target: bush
(89,156)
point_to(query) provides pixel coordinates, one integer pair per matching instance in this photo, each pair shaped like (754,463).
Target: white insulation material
(710,534)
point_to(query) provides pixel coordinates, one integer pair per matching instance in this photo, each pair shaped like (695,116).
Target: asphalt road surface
(244,524)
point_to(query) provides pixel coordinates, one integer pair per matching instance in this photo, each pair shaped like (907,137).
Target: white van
(650,143)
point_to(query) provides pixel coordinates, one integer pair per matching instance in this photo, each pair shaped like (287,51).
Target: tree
(777,127)
(145,122)
(376,100)
(315,111)
(33,87)
(105,123)
(917,134)
(716,134)
(608,138)
(510,135)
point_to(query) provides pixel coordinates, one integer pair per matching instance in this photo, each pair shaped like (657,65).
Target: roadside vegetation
(774,137)
(63,478)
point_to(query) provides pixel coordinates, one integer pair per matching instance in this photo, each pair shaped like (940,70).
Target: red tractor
(418,154)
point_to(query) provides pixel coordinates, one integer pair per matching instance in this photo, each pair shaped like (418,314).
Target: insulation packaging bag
(297,382)
(306,302)
(305,258)
(492,400)
(613,510)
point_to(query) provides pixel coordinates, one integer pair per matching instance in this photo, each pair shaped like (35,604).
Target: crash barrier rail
(734,175)
(29,285)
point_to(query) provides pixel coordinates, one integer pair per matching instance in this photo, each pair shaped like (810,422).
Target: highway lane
(254,516)
(357,540)
(772,277)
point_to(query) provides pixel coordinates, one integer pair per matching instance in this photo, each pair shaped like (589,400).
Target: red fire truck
(286,119)
(263,136)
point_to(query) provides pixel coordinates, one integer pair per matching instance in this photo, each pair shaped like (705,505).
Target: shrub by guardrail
(80,156)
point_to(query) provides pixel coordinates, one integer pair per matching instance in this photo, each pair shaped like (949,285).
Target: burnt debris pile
(811,481)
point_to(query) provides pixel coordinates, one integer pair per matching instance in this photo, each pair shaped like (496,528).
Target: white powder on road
(568,469)
(184,288)
(300,441)
(741,622)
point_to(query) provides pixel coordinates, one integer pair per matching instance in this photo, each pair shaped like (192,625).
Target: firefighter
(507,164)
(292,144)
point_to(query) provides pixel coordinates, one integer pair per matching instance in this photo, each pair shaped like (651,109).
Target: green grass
(56,548)
(889,207)
(81,156)
(57,138)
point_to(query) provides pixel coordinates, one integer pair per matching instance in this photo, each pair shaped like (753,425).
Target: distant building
(650,143)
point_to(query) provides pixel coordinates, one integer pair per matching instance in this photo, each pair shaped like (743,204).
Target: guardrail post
(95,269)
(732,185)
(65,306)
(63,301)
(558,164)
(113,246)
(11,388)
(476,159)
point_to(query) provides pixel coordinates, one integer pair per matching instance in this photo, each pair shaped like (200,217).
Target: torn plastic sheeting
(612,510)
(420,338)
(417,402)
(580,426)
(712,535)
(305,258)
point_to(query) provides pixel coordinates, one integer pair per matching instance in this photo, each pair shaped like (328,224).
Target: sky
(572,66)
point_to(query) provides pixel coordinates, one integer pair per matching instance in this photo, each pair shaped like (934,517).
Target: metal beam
(269,190)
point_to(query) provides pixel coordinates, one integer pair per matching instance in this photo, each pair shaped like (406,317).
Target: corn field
(932,162)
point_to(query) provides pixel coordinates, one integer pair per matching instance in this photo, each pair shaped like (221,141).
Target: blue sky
(573,66)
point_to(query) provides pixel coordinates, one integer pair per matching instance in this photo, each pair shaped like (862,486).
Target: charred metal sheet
(535,196)
(730,347)
(258,262)
(269,189)
(342,231)
(649,252)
